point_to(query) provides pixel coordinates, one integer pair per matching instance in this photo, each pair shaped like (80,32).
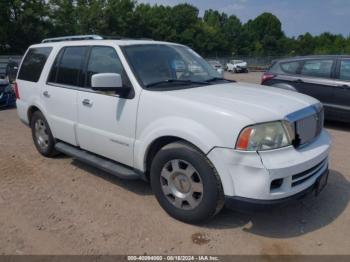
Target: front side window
(34,63)
(67,68)
(317,68)
(167,65)
(290,67)
(104,59)
(344,73)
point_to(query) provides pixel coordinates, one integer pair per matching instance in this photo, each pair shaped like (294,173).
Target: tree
(24,22)
(63,17)
(265,31)
(306,44)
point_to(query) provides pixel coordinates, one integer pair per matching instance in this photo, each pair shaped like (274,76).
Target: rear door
(341,101)
(106,122)
(316,79)
(30,76)
(60,92)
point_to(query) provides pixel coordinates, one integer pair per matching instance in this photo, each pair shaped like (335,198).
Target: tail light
(15,89)
(266,77)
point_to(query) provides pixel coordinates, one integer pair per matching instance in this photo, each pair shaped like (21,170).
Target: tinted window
(70,65)
(290,67)
(54,69)
(34,63)
(344,73)
(317,68)
(104,60)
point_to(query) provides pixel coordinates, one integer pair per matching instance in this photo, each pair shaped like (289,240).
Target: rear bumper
(22,111)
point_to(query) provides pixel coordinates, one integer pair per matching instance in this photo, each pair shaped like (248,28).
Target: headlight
(266,136)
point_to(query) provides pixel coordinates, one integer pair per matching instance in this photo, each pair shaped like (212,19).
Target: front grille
(300,178)
(309,127)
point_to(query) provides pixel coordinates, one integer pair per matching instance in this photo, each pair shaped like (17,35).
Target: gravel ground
(61,206)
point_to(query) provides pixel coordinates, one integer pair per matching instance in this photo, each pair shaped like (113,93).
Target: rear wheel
(185,183)
(42,136)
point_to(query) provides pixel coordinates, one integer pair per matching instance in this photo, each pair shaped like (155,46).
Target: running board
(104,164)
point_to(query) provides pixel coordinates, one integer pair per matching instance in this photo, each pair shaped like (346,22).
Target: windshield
(169,65)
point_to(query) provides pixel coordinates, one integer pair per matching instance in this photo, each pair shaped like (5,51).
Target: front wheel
(185,183)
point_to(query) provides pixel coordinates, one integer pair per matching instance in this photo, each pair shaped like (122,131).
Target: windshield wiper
(218,79)
(176,81)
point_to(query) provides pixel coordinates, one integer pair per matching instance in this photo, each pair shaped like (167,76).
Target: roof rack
(87,37)
(72,38)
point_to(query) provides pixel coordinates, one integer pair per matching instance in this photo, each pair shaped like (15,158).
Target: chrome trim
(303,113)
(313,110)
(83,89)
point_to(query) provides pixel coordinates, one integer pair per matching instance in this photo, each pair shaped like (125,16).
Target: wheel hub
(181,184)
(41,134)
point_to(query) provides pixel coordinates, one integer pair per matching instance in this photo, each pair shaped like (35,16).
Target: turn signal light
(243,140)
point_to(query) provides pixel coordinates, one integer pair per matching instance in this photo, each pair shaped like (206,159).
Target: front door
(106,122)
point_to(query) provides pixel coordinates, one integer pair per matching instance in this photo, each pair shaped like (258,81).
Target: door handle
(87,102)
(46,94)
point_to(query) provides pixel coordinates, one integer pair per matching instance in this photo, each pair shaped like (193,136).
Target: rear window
(33,63)
(318,68)
(290,67)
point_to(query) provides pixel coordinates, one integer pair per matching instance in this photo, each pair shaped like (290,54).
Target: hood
(243,64)
(256,102)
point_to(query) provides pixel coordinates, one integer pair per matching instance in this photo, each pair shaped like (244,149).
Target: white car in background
(158,111)
(237,66)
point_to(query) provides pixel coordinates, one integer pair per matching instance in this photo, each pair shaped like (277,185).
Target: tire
(42,136)
(191,191)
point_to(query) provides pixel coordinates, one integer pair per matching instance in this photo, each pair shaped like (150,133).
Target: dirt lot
(60,206)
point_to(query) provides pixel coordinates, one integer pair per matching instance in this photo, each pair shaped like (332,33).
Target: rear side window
(34,63)
(317,68)
(67,67)
(290,67)
(344,73)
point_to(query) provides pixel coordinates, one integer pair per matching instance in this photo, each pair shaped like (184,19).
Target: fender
(24,108)
(183,128)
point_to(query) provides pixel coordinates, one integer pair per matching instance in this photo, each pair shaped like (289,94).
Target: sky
(297,16)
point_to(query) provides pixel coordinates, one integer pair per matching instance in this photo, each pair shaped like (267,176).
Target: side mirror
(109,82)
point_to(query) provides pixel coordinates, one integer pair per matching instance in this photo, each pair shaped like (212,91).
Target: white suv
(159,111)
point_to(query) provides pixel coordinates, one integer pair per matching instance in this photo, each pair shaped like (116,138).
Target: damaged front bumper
(274,175)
